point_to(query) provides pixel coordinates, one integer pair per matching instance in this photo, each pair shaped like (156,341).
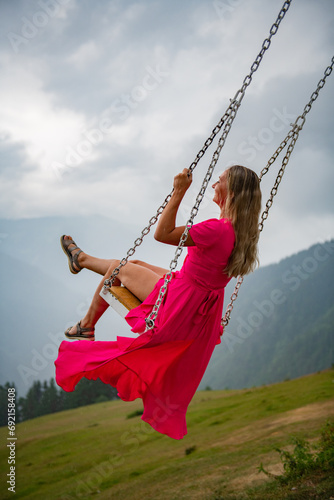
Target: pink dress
(165,366)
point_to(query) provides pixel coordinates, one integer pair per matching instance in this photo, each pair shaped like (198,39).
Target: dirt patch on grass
(309,412)
(273,425)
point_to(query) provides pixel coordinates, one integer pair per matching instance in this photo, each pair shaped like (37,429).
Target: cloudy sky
(104,101)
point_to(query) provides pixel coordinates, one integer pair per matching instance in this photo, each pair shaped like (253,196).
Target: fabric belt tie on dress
(209,301)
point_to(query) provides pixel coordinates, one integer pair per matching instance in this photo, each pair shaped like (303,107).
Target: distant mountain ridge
(39,296)
(282,324)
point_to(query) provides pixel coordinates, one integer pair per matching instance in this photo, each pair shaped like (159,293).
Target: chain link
(246,82)
(226,122)
(290,139)
(226,119)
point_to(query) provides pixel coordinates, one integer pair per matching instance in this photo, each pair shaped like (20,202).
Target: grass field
(99,452)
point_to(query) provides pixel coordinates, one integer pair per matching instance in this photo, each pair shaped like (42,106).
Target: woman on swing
(164,366)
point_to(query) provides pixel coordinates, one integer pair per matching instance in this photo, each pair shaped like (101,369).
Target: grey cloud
(93,62)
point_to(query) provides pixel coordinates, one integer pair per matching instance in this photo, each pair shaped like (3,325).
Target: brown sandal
(72,259)
(81,333)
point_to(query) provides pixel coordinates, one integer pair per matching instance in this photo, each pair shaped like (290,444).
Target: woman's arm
(166,232)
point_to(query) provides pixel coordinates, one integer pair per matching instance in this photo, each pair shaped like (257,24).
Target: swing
(290,139)
(120,298)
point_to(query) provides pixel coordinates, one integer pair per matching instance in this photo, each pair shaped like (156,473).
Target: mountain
(105,451)
(282,324)
(40,298)
(34,310)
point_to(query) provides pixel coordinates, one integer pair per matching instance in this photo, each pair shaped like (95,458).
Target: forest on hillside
(282,325)
(45,397)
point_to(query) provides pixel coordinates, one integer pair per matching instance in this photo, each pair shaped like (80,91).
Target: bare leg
(101,266)
(158,270)
(86,261)
(139,279)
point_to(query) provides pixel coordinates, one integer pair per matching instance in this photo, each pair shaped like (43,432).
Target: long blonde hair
(242,207)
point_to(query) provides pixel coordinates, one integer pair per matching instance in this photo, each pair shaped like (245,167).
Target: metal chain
(150,320)
(225,121)
(108,283)
(225,320)
(264,215)
(246,82)
(228,117)
(291,137)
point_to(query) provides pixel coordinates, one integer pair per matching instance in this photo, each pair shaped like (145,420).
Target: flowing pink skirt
(163,367)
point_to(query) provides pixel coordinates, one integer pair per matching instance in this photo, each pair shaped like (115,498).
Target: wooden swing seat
(121,299)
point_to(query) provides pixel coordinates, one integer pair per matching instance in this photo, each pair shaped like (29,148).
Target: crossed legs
(138,276)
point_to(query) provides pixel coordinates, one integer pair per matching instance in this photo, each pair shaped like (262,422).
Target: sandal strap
(75,257)
(68,242)
(72,249)
(80,333)
(80,329)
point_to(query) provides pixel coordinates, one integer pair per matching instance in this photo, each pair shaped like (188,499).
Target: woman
(164,366)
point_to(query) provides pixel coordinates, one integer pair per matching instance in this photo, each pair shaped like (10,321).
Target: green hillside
(105,451)
(282,325)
